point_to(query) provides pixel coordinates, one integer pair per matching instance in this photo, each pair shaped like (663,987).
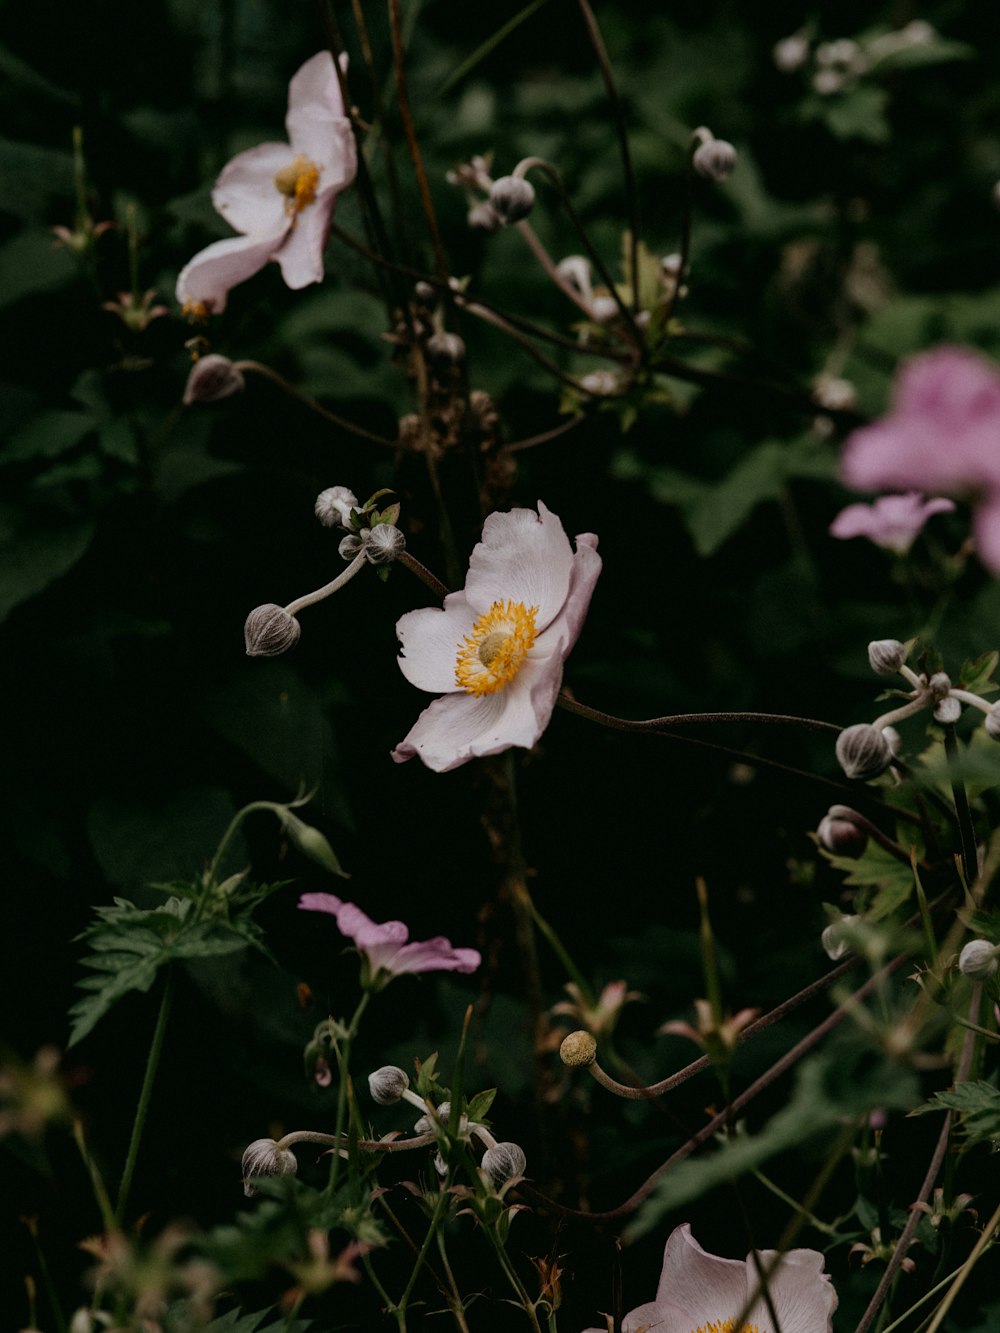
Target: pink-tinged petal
(314,103)
(523,557)
(705,1287)
(584,572)
(207,278)
(460,727)
(321,902)
(802,1295)
(436,955)
(301,255)
(893,521)
(986,530)
(246,195)
(430,639)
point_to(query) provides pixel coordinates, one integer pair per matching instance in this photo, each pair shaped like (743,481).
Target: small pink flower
(384,946)
(892,522)
(698,1290)
(280,197)
(942,435)
(495,651)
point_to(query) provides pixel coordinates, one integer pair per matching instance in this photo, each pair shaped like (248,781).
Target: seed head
(578,1050)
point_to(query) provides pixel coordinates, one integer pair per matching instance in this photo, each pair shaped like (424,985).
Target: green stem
(966,829)
(152,1064)
(443,1200)
(511,1274)
(344,1062)
(559,949)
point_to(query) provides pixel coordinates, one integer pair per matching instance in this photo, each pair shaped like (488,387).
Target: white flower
(495,651)
(279,196)
(699,1291)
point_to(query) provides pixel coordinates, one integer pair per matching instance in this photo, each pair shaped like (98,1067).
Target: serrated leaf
(978,1103)
(977,674)
(877,869)
(481,1103)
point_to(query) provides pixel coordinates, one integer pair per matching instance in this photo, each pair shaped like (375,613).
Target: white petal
(803,1296)
(430,640)
(210,274)
(246,195)
(314,105)
(523,557)
(707,1288)
(301,256)
(460,727)
(565,629)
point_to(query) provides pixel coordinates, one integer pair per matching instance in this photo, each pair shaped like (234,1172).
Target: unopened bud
(838,832)
(948,711)
(512,198)
(978,960)
(939,684)
(426,1123)
(886,656)
(425,295)
(832,938)
(599,383)
(605,308)
(578,1050)
(992,722)
(445,350)
(212,377)
(863,751)
(483,217)
(440,1165)
(791,53)
(333,506)
(388,1084)
(270,631)
(350,546)
(385,543)
(714,159)
(265,1158)
(504,1161)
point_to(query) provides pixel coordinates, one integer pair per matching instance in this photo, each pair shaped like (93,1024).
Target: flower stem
(343,1062)
(966,829)
(310,598)
(152,1064)
(265,372)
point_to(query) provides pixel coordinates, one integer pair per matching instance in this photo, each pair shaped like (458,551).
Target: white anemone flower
(701,1293)
(495,651)
(279,196)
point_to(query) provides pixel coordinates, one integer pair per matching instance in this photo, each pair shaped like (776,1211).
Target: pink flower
(384,947)
(279,196)
(943,434)
(495,651)
(698,1291)
(893,521)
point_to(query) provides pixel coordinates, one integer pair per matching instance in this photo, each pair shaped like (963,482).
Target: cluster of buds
(867,749)
(509,199)
(838,65)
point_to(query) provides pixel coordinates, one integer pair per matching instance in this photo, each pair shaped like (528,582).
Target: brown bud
(212,377)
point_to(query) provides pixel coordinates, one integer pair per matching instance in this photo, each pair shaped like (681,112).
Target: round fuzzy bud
(992,722)
(425,295)
(605,308)
(270,631)
(714,159)
(893,739)
(948,711)
(504,1161)
(791,53)
(838,832)
(940,684)
(886,656)
(334,505)
(212,377)
(863,751)
(385,543)
(578,1050)
(350,546)
(483,217)
(512,198)
(388,1084)
(265,1158)
(446,350)
(978,960)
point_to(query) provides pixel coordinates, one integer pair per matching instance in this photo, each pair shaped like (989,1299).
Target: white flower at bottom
(700,1293)
(495,651)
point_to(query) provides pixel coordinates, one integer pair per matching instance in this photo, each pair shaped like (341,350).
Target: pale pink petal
(705,1287)
(802,1295)
(320,902)
(314,103)
(207,278)
(436,955)
(523,557)
(892,521)
(246,195)
(460,727)
(986,529)
(430,639)
(301,255)
(583,576)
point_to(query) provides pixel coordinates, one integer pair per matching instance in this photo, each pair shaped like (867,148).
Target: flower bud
(939,684)
(838,832)
(832,938)
(978,960)
(388,1084)
(503,1161)
(483,217)
(333,506)
(886,656)
(512,198)
(445,350)
(605,308)
(212,377)
(791,53)
(385,543)
(265,1158)
(714,159)
(270,631)
(425,295)
(440,1165)
(599,383)
(426,1123)
(862,751)
(350,546)
(992,722)
(893,739)
(578,1050)
(948,711)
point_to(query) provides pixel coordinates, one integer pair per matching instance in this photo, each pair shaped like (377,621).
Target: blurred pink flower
(279,196)
(698,1291)
(384,946)
(495,651)
(942,435)
(893,521)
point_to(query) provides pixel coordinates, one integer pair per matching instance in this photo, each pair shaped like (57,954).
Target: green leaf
(31,263)
(879,870)
(976,675)
(34,552)
(978,1105)
(856,113)
(481,1103)
(48,434)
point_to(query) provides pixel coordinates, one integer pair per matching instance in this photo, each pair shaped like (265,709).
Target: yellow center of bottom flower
(490,657)
(297,182)
(726,1326)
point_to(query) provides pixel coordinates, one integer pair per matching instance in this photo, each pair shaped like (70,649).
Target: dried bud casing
(333,506)
(714,159)
(512,198)
(388,1084)
(863,751)
(838,832)
(886,656)
(504,1161)
(270,631)
(265,1158)
(212,377)
(978,960)
(385,543)
(578,1050)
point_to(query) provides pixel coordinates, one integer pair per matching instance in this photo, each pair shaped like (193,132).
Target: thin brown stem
(265,372)
(545,436)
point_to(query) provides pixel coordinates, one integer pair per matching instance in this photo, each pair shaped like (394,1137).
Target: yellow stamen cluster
(197,312)
(490,657)
(726,1326)
(297,182)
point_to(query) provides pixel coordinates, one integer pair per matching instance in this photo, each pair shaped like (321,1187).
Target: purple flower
(698,1290)
(384,946)
(495,651)
(280,196)
(942,435)
(893,521)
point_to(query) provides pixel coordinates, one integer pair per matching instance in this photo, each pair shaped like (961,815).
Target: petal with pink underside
(321,902)
(803,1298)
(436,955)
(314,104)
(430,639)
(459,727)
(705,1287)
(523,557)
(301,255)
(246,195)
(207,278)
(568,623)
(986,528)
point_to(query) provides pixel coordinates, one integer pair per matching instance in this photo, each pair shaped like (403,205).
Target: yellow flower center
(490,657)
(197,312)
(726,1326)
(297,182)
